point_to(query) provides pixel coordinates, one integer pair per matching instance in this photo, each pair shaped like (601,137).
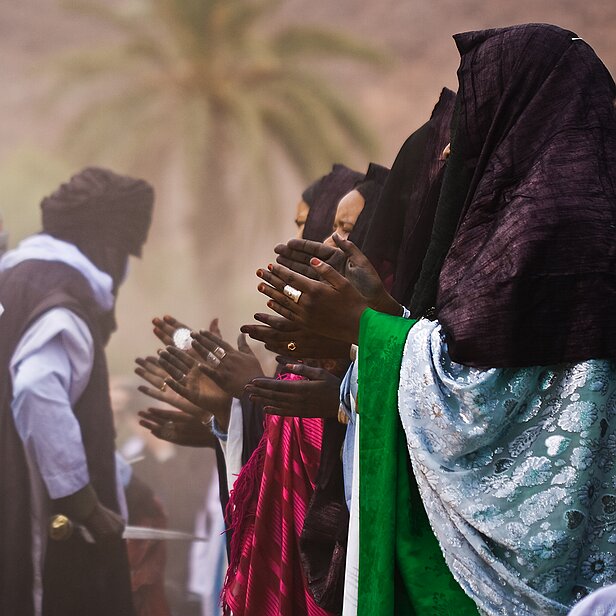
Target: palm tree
(212,81)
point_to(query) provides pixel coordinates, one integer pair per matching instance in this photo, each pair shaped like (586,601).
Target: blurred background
(229,108)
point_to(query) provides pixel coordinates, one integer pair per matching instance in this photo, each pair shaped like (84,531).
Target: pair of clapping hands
(199,380)
(330,287)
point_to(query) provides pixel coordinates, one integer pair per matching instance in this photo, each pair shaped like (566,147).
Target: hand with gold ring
(177,427)
(277,333)
(235,367)
(187,380)
(317,395)
(150,370)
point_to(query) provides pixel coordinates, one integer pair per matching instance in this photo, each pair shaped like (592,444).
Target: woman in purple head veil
(507,392)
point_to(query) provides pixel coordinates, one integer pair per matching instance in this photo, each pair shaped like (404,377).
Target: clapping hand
(292,340)
(316,395)
(177,427)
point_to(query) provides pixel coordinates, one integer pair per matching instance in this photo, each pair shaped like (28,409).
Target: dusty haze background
(393,102)
(416,34)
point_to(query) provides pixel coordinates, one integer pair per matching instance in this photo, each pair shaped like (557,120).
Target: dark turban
(99,208)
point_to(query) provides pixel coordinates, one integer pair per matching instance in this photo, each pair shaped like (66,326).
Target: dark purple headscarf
(322,196)
(530,277)
(401,227)
(370,188)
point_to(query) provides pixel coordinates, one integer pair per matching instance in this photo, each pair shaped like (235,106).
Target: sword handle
(60,528)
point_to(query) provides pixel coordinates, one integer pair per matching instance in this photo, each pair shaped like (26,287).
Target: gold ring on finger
(292,293)
(163,387)
(291,346)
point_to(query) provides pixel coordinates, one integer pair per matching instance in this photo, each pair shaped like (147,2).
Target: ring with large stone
(291,346)
(182,339)
(212,359)
(219,352)
(168,431)
(292,293)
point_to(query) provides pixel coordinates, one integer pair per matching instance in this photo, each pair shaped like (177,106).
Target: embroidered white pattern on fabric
(515,467)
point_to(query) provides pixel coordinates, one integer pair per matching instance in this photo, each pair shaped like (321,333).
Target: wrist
(78,506)
(222,413)
(352,332)
(386,304)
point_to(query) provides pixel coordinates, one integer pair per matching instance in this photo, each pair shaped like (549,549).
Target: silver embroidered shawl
(516,470)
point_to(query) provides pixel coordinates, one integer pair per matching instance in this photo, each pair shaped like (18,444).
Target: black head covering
(322,196)
(530,277)
(370,189)
(98,207)
(401,227)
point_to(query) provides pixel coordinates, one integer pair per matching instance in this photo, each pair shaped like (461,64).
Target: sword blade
(158,534)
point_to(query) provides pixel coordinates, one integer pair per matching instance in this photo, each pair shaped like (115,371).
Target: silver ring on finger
(219,352)
(292,293)
(212,359)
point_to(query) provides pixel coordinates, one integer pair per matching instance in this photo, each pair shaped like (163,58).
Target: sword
(62,528)
(143,532)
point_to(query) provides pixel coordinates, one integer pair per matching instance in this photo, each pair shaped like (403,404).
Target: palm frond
(129,23)
(296,140)
(344,114)
(106,124)
(302,41)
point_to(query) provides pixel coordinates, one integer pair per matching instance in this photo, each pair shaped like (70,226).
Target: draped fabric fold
(267,510)
(530,275)
(401,568)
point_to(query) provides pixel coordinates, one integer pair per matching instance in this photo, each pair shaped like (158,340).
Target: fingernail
(260,273)
(270,267)
(270,304)
(315,261)
(156,321)
(260,288)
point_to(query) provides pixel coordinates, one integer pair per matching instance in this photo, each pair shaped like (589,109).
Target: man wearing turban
(58,289)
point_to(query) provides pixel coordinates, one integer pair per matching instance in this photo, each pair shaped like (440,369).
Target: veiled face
(348,211)
(300,218)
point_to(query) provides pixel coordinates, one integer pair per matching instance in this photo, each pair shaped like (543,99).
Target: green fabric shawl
(401,567)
